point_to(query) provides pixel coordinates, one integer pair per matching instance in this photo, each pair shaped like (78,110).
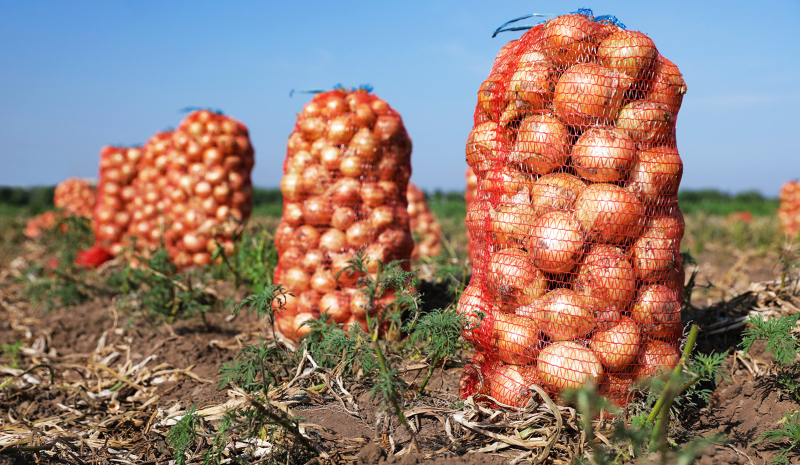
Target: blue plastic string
(365,87)
(611,19)
(191,109)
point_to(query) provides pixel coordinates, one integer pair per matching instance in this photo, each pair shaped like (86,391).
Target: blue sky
(80,74)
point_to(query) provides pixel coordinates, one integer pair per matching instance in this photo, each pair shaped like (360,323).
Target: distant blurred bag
(789,208)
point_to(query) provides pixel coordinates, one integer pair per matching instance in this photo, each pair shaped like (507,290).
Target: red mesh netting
(789,209)
(575,228)
(118,168)
(209,194)
(469,197)
(347,166)
(424,225)
(148,206)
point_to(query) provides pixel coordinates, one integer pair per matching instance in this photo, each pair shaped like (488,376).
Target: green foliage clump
(183,435)
(789,433)
(252,262)
(440,333)
(782,343)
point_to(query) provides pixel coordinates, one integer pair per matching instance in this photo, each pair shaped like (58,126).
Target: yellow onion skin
(301,325)
(556,242)
(618,388)
(485,146)
(542,144)
(510,384)
(646,122)
(666,84)
(617,346)
(669,220)
(516,339)
(627,52)
(568,365)
(656,175)
(530,87)
(569,39)
(511,223)
(606,279)
(609,213)
(514,278)
(336,304)
(506,182)
(603,155)
(562,314)
(588,94)
(478,310)
(656,359)
(653,255)
(556,191)
(658,311)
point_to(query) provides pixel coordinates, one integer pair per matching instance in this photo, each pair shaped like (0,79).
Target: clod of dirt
(371,453)
(748,388)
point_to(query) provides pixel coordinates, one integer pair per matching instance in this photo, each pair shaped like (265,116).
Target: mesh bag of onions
(346,171)
(40,223)
(789,208)
(147,208)
(75,197)
(209,194)
(119,166)
(469,197)
(424,225)
(575,228)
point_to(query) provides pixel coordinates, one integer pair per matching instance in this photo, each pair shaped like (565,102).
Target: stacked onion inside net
(208,195)
(147,208)
(789,208)
(119,166)
(424,225)
(575,229)
(469,197)
(72,197)
(347,167)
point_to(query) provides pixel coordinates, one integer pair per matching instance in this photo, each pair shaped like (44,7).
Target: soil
(742,408)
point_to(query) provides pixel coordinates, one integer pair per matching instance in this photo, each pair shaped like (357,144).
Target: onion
(511,223)
(603,155)
(285,305)
(318,146)
(298,162)
(346,191)
(609,213)
(606,278)
(531,85)
(382,217)
(364,144)
(341,129)
(312,260)
(478,310)
(317,211)
(331,157)
(617,388)
(653,255)
(617,346)
(333,240)
(513,275)
(543,144)
(656,359)
(315,179)
(336,305)
(669,220)
(492,96)
(398,242)
(302,328)
(515,338)
(372,194)
(667,85)
(306,237)
(311,128)
(588,94)
(658,311)
(285,324)
(567,365)
(334,105)
(556,191)
(339,262)
(556,242)
(342,218)
(293,213)
(194,242)
(606,318)
(359,302)
(509,384)
(387,127)
(484,146)
(564,315)
(363,116)
(646,122)
(290,187)
(656,174)
(352,166)
(323,281)
(627,52)
(308,302)
(375,254)
(471,381)
(360,234)
(201,259)
(296,280)
(569,39)
(390,189)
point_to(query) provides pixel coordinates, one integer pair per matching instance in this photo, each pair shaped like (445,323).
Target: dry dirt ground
(152,370)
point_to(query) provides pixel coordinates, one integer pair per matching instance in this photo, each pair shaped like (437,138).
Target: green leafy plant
(246,368)
(183,435)
(252,262)
(782,342)
(331,344)
(12,350)
(789,433)
(440,331)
